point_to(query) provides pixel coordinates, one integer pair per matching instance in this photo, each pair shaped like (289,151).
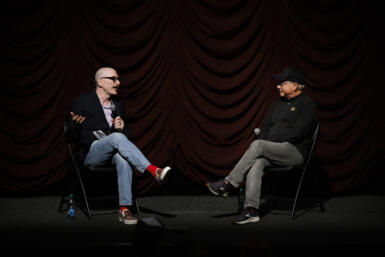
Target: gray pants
(261,153)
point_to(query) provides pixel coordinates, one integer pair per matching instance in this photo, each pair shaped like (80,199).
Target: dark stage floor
(197,225)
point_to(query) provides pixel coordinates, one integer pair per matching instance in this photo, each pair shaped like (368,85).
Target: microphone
(114,112)
(257,131)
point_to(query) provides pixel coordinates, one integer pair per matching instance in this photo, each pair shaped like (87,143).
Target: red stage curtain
(195,77)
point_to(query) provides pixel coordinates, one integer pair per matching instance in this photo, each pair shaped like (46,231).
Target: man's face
(287,88)
(109,82)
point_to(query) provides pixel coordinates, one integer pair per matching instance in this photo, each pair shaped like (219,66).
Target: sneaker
(247,215)
(127,218)
(222,187)
(161,174)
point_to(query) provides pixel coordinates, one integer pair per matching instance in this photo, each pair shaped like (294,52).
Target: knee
(117,137)
(255,145)
(90,161)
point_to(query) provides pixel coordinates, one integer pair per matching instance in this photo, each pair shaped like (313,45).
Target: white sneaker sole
(249,220)
(164,173)
(128,222)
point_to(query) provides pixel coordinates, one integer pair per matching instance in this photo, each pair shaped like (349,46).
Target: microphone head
(113,109)
(257,131)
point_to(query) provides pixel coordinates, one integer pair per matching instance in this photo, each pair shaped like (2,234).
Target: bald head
(104,72)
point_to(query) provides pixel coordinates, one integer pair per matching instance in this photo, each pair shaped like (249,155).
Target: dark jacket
(291,120)
(89,106)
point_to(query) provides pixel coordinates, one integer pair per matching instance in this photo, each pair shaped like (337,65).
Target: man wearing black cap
(284,139)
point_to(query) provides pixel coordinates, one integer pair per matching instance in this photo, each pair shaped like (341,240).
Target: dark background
(196,80)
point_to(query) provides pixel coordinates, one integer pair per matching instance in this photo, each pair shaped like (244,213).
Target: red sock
(122,208)
(152,169)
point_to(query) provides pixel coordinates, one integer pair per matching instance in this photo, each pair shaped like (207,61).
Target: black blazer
(89,106)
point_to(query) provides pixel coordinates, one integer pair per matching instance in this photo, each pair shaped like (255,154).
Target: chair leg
(135,202)
(77,170)
(296,195)
(319,194)
(87,211)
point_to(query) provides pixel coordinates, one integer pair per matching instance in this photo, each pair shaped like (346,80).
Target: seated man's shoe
(162,174)
(222,187)
(127,218)
(248,215)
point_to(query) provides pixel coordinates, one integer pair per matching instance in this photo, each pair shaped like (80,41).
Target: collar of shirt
(107,112)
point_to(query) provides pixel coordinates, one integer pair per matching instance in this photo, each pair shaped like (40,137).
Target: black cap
(290,74)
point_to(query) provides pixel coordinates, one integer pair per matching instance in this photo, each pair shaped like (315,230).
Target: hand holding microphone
(118,122)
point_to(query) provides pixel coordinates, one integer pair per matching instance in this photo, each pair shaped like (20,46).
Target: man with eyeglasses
(98,120)
(283,139)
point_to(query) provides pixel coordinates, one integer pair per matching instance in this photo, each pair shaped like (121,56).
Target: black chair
(82,172)
(291,170)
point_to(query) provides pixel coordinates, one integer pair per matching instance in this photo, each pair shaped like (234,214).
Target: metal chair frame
(78,167)
(287,169)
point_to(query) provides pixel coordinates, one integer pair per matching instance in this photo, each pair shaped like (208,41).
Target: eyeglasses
(114,79)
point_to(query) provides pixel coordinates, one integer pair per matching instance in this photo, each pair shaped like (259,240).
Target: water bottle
(71,207)
(241,199)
